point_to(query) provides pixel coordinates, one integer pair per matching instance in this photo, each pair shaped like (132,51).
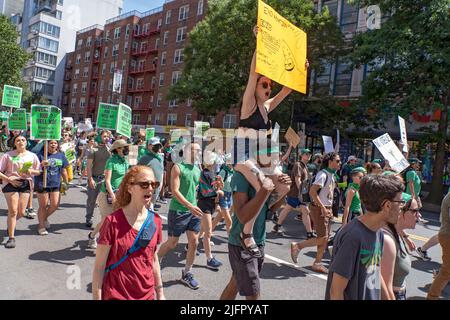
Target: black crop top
(255,121)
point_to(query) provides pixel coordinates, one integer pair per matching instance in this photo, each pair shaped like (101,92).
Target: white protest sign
(391,153)
(68,122)
(328,144)
(403,136)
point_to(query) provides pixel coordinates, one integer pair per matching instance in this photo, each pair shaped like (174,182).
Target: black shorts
(207,205)
(24,188)
(246,270)
(46,190)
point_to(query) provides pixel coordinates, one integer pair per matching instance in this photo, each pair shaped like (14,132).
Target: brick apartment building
(148,48)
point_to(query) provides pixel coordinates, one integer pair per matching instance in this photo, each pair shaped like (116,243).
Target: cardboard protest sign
(292,137)
(107,116)
(18,120)
(280,49)
(403,136)
(12,96)
(133,155)
(391,153)
(124,120)
(328,144)
(45,123)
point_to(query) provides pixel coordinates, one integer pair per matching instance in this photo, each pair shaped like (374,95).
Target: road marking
(279,261)
(413,236)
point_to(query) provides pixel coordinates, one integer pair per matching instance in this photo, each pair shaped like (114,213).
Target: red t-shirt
(133,278)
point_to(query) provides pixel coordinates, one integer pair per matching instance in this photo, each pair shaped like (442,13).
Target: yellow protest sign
(292,137)
(280,49)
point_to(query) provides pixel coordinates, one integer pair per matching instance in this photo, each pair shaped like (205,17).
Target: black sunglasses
(145,184)
(266,85)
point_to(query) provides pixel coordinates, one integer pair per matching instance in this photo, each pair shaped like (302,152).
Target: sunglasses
(402,202)
(266,85)
(338,161)
(145,184)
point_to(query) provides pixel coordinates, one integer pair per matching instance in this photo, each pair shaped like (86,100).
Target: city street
(50,267)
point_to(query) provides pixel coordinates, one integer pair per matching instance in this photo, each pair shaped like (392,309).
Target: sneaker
(298,217)
(275,217)
(89,223)
(188,279)
(278,228)
(310,235)
(92,244)
(28,214)
(11,243)
(294,252)
(423,254)
(157,206)
(213,264)
(163,201)
(43,232)
(197,253)
(32,213)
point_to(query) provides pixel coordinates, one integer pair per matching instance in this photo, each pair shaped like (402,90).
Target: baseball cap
(350,158)
(379,161)
(359,169)
(153,141)
(414,160)
(305,151)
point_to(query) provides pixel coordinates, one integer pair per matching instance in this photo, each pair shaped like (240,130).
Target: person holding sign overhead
(56,165)
(254,115)
(17,167)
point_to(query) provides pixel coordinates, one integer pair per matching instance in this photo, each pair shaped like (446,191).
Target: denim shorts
(294,202)
(178,222)
(226,201)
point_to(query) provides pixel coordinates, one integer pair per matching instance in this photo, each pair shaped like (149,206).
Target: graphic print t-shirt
(357,256)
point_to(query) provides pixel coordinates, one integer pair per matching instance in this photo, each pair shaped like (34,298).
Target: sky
(141,5)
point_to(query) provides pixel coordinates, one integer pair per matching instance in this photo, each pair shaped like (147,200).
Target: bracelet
(158,287)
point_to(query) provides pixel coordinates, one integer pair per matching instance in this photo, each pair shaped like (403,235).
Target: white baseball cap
(153,141)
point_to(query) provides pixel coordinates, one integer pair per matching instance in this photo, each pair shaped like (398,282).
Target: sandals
(320,268)
(294,252)
(253,249)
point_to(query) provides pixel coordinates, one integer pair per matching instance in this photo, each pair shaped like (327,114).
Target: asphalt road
(59,266)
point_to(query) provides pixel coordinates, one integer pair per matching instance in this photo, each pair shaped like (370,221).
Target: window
(140,84)
(89,41)
(130,83)
(124,64)
(117,33)
(146,28)
(176,75)
(125,48)
(188,121)
(46,58)
(105,55)
(112,67)
(181,34)
(168,16)
(166,37)
(178,56)
(107,34)
(143,46)
(58,14)
(136,118)
(343,80)
(85,72)
(87,56)
(183,13)
(73,103)
(110,84)
(137,102)
(115,50)
(141,65)
(82,104)
(77,73)
(102,85)
(83,87)
(48,44)
(157,43)
(153,82)
(171,119)
(159,24)
(161,79)
(103,69)
(45,89)
(137,29)
(229,121)
(189,102)
(158,101)
(332,6)
(46,28)
(80,43)
(156,120)
(349,17)
(200,8)
(127,31)
(75,88)
(172,103)
(163,58)
(323,79)
(78,59)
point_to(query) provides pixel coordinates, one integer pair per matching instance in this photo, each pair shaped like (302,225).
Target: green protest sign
(200,128)
(4,115)
(124,120)
(12,96)
(45,123)
(150,133)
(107,116)
(18,120)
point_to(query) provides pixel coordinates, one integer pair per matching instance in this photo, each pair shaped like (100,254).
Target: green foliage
(217,59)
(12,57)
(30,98)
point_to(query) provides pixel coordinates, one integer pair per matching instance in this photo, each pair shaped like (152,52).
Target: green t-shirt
(226,182)
(355,206)
(142,151)
(413,176)
(240,184)
(189,181)
(119,167)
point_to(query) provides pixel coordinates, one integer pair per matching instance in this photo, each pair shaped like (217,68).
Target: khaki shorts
(104,207)
(321,224)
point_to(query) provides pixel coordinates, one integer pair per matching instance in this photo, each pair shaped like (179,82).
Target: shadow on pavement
(71,205)
(272,270)
(62,226)
(426,266)
(66,256)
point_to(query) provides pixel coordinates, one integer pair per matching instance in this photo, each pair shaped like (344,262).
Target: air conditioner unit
(35,32)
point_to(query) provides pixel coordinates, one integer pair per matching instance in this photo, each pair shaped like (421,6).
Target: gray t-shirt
(356,256)
(156,162)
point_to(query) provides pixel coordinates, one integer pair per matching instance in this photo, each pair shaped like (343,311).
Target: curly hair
(123,197)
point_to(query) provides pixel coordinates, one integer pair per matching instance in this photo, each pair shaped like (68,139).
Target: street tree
(410,55)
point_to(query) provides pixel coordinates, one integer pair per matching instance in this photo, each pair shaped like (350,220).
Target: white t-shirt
(327,191)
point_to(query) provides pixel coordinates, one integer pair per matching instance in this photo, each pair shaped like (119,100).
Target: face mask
(156,149)
(126,151)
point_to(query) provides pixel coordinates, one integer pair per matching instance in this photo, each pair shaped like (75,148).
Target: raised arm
(249,100)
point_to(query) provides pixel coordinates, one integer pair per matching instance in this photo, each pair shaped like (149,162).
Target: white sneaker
(43,232)
(32,213)
(92,244)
